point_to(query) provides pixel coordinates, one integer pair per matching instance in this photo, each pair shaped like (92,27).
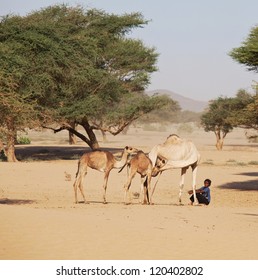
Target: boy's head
(207,182)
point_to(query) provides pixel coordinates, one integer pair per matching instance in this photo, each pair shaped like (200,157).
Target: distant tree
(244,110)
(226,113)
(216,119)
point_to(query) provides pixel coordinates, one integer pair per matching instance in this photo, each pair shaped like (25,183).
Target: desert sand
(39,219)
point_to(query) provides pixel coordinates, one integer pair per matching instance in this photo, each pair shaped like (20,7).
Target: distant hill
(184,102)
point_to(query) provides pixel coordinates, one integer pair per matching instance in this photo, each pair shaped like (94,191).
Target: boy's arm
(196,191)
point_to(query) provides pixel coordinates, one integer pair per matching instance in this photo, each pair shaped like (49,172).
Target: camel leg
(182,181)
(144,190)
(105,185)
(75,185)
(146,184)
(155,186)
(194,172)
(127,186)
(149,188)
(79,184)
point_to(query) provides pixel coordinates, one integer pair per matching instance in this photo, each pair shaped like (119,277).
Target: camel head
(130,150)
(160,162)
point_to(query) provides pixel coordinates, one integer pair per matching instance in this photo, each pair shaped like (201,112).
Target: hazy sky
(193,38)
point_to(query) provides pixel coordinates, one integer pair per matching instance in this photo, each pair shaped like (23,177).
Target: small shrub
(208,161)
(253,162)
(23,140)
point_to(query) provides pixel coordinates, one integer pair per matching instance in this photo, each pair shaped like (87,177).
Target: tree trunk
(219,144)
(220,141)
(93,143)
(72,137)
(10,147)
(104,136)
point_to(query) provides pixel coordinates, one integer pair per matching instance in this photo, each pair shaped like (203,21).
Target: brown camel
(179,153)
(140,163)
(103,161)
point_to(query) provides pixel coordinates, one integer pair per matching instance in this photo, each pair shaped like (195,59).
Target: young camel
(141,164)
(103,161)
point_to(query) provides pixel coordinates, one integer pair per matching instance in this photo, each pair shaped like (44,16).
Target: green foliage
(226,113)
(164,112)
(217,116)
(247,53)
(70,65)
(244,112)
(23,140)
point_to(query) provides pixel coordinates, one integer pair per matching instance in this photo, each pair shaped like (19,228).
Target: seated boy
(203,194)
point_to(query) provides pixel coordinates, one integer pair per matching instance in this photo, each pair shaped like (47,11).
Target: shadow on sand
(16,201)
(250,185)
(41,153)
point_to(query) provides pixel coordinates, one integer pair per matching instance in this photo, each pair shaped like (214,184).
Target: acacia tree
(17,107)
(226,113)
(216,119)
(243,113)
(79,68)
(247,54)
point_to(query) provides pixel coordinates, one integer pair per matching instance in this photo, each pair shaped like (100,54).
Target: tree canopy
(247,53)
(226,113)
(77,66)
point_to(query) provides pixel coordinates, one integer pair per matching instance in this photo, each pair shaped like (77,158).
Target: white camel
(103,161)
(179,153)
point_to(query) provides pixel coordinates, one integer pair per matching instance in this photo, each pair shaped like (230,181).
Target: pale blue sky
(193,38)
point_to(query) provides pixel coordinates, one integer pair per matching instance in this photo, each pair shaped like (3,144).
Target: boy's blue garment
(206,193)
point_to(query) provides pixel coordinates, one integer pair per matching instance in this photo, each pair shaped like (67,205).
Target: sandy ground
(39,219)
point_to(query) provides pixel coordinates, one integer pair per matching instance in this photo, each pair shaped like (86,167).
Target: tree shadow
(253,174)
(45,153)
(248,214)
(250,185)
(16,201)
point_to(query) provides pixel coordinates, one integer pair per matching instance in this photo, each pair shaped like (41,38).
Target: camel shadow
(7,201)
(45,153)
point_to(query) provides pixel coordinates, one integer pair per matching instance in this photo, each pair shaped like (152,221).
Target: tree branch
(70,129)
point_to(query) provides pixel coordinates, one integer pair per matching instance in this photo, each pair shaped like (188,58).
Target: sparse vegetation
(253,162)
(208,162)
(23,140)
